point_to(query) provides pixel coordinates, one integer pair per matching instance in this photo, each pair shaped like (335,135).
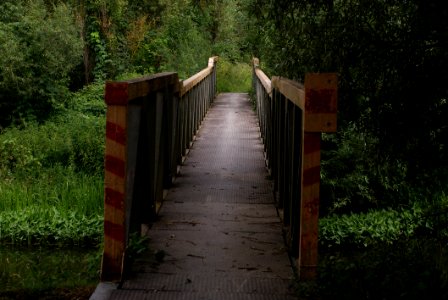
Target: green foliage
(368,229)
(384,255)
(51,206)
(137,246)
(353,179)
(101,56)
(54,171)
(375,227)
(59,187)
(187,47)
(382,50)
(39,50)
(49,226)
(89,101)
(404,269)
(74,141)
(233,77)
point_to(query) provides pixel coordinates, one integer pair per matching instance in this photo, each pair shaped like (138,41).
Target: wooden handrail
(292,117)
(264,79)
(121,92)
(292,90)
(150,124)
(189,83)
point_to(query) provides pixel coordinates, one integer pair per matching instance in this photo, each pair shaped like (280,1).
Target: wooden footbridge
(228,196)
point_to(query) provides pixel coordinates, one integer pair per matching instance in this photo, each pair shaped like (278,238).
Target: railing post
(115,182)
(134,109)
(320,115)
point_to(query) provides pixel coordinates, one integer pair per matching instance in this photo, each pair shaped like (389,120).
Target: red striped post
(115,181)
(320,115)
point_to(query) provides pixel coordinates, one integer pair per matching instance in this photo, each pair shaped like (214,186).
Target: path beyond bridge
(218,235)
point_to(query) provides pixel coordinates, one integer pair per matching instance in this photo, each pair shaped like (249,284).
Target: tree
(388,55)
(39,50)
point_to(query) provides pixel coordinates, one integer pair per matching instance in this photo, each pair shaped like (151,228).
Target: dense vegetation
(384,174)
(55,58)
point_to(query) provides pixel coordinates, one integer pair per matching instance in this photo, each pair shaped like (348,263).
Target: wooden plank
(114,194)
(212,61)
(255,62)
(292,90)
(321,94)
(159,153)
(121,92)
(191,82)
(194,80)
(309,211)
(133,133)
(265,81)
(144,86)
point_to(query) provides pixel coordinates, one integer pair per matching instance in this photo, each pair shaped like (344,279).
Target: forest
(384,181)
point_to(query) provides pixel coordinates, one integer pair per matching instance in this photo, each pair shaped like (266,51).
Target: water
(40,269)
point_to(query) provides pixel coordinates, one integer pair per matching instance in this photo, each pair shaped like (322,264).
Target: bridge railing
(151,122)
(292,117)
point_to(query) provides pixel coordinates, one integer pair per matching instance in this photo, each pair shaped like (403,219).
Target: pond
(44,273)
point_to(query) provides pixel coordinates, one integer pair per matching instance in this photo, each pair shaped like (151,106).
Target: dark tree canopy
(391,57)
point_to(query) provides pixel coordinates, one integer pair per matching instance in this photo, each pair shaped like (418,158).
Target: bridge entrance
(218,235)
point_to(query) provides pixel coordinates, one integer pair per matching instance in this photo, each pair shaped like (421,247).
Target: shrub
(233,77)
(404,269)
(39,50)
(367,229)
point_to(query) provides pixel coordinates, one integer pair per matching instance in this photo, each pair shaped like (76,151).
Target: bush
(357,176)
(233,77)
(379,227)
(405,269)
(75,141)
(39,50)
(49,226)
(367,229)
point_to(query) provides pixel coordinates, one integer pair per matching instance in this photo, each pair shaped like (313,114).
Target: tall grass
(233,77)
(51,176)
(58,187)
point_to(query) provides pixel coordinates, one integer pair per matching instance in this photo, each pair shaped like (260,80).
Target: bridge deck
(218,235)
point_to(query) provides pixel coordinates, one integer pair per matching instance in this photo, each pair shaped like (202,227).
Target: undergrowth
(383,254)
(408,268)
(233,77)
(51,176)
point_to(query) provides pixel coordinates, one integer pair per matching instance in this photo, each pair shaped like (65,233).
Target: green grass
(51,176)
(233,77)
(383,254)
(58,207)
(51,202)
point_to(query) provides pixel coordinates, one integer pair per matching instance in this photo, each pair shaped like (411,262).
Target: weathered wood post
(115,182)
(126,101)
(320,115)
